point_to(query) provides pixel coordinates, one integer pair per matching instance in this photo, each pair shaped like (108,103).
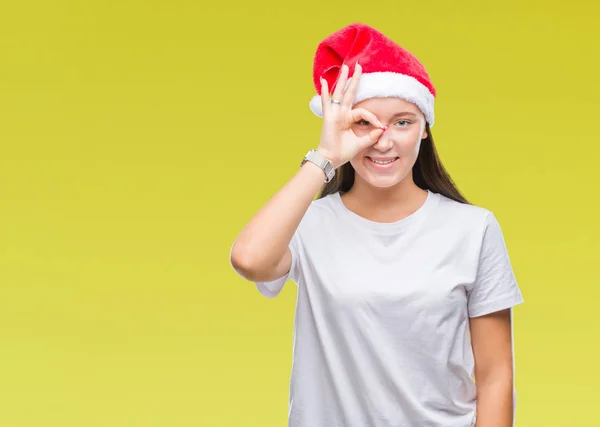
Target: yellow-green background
(138,137)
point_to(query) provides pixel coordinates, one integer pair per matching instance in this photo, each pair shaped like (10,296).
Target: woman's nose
(384,142)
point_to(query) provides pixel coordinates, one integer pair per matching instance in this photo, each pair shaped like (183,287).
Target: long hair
(428,173)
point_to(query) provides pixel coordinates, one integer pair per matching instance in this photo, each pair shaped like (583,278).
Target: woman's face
(390,160)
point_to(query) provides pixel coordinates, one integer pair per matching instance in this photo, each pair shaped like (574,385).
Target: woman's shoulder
(323,206)
(465,214)
(465,208)
(321,213)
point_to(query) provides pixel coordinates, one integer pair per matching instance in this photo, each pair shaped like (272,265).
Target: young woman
(405,289)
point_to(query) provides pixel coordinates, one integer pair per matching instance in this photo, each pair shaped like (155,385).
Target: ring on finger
(335,101)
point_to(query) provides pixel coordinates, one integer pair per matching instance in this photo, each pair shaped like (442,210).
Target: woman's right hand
(339,144)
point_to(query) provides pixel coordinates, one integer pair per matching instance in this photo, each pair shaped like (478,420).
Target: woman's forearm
(264,240)
(495,402)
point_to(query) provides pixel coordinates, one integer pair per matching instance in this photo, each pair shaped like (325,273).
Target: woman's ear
(424,135)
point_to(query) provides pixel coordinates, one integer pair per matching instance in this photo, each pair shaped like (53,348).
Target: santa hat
(388,69)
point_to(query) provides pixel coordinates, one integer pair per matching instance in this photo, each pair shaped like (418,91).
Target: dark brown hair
(428,174)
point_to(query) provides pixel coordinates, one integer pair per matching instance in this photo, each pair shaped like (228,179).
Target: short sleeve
(272,288)
(495,286)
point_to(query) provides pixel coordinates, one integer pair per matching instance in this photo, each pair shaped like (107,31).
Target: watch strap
(318,159)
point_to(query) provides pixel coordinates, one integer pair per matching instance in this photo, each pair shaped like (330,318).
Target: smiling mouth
(382,162)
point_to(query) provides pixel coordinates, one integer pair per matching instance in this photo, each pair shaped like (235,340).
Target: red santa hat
(388,69)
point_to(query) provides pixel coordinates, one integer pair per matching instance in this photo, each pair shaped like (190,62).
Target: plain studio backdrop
(138,137)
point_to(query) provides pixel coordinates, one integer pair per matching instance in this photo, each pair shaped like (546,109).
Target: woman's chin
(382,181)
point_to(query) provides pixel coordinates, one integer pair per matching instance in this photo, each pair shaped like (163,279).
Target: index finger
(361,113)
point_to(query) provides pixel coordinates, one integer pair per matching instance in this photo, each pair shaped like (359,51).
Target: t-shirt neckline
(386,227)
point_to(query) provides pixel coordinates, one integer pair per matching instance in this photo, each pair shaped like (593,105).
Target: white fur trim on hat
(388,85)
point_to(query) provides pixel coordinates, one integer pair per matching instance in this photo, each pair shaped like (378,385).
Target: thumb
(370,138)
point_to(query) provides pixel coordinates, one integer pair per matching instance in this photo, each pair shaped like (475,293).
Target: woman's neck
(385,204)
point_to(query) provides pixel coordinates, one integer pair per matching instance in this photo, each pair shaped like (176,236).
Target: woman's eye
(405,123)
(363,123)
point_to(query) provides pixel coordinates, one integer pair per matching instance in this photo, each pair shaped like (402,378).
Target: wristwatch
(318,159)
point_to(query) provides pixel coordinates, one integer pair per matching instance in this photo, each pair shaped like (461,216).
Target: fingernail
(384,127)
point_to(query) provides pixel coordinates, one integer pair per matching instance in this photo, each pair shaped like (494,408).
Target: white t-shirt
(381,334)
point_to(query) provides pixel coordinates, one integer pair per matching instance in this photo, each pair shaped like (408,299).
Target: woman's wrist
(331,159)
